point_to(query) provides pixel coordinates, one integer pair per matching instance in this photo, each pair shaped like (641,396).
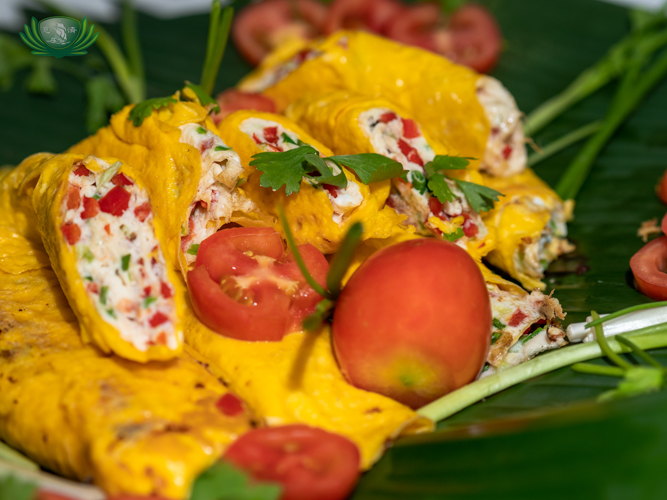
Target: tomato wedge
(261,27)
(232,100)
(648,266)
(471,37)
(369,15)
(244,286)
(310,463)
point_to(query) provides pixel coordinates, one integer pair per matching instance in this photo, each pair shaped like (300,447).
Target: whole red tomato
(414,322)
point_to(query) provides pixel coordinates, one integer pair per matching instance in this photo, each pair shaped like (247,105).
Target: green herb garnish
(495,336)
(148,301)
(111,313)
(418,181)
(453,236)
(88,278)
(125,262)
(201,130)
(193,249)
(289,168)
(437,184)
(204,99)
(221,148)
(223,481)
(481,198)
(498,324)
(143,110)
(16,489)
(104,292)
(87,254)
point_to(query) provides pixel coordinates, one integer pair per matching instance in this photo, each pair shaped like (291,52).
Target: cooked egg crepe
(318,214)
(297,380)
(98,228)
(472,112)
(531,224)
(190,173)
(143,429)
(352,123)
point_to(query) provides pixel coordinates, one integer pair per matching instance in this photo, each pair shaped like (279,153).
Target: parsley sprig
(224,481)
(289,168)
(480,198)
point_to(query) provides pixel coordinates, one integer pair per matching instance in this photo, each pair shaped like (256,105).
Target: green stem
(604,345)
(342,260)
(299,260)
(639,352)
(626,100)
(10,455)
(218,34)
(131,43)
(627,310)
(646,338)
(563,142)
(611,371)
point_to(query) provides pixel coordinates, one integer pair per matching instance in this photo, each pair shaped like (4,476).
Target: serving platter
(546,435)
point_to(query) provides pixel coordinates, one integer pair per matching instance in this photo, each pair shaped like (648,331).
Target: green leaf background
(542,438)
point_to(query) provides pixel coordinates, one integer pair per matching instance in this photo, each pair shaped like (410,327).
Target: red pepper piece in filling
(115,202)
(165,290)
(410,129)
(271,134)
(470,229)
(230,405)
(142,211)
(410,153)
(73,197)
(147,291)
(331,189)
(435,205)
(71,232)
(81,171)
(507,151)
(517,318)
(90,208)
(388,117)
(256,139)
(157,319)
(121,180)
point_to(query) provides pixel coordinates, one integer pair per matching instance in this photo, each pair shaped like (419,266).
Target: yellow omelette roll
(352,123)
(142,429)
(472,112)
(531,224)
(317,215)
(97,225)
(190,173)
(297,380)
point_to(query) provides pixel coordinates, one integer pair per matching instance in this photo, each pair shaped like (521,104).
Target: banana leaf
(546,437)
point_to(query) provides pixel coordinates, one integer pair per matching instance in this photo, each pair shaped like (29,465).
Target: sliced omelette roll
(472,112)
(319,213)
(103,240)
(190,173)
(531,225)
(352,123)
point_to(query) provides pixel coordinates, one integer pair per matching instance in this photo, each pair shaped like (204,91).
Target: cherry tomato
(243,286)
(471,38)
(649,265)
(369,15)
(234,100)
(310,463)
(413,322)
(261,27)
(661,189)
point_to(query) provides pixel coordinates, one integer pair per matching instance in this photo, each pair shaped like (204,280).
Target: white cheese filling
(121,264)
(273,75)
(505,153)
(217,198)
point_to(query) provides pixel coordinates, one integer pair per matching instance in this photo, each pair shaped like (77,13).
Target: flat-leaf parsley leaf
(144,109)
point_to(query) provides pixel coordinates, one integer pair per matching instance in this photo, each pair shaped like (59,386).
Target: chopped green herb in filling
(149,300)
(498,324)
(201,130)
(193,249)
(87,254)
(103,295)
(221,148)
(125,262)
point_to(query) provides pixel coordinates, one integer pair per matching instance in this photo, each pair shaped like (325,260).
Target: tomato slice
(471,38)
(648,266)
(310,463)
(661,189)
(261,27)
(244,286)
(234,100)
(370,15)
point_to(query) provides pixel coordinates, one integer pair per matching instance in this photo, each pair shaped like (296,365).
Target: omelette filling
(505,153)
(216,199)
(523,327)
(272,137)
(401,139)
(108,221)
(281,71)
(534,256)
